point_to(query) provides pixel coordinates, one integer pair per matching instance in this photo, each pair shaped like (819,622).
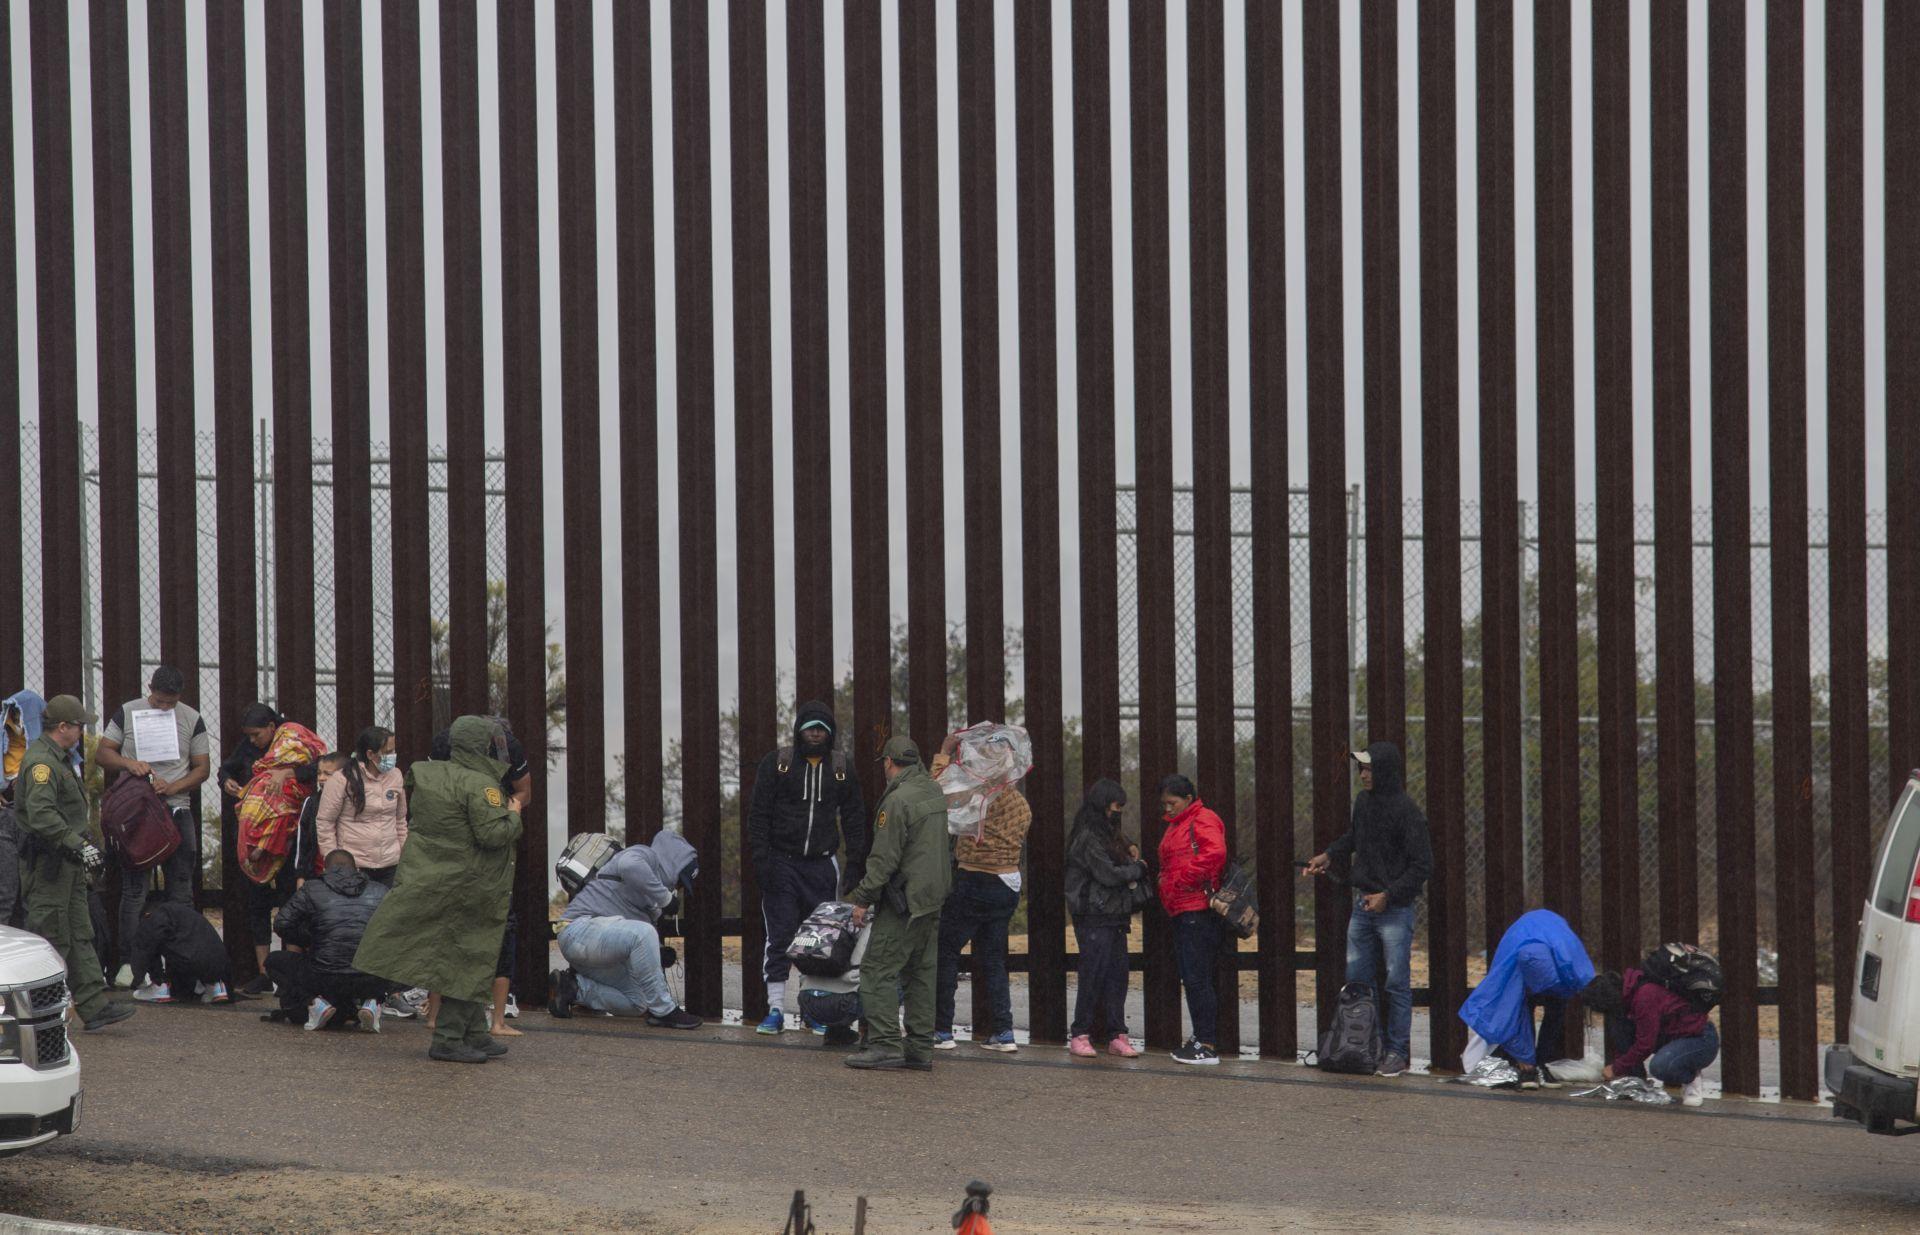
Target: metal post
(91,657)
(1353,611)
(263,537)
(1529,818)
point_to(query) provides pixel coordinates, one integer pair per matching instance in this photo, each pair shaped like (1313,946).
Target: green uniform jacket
(440,927)
(910,839)
(52,801)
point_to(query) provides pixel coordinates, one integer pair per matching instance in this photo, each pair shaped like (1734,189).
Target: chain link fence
(258,614)
(1251,758)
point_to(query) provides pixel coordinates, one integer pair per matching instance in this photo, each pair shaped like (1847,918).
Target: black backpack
(1689,972)
(1352,1042)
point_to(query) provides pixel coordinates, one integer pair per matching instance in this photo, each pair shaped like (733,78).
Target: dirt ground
(71,1182)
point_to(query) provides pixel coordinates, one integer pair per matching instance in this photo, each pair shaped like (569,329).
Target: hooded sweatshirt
(1388,839)
(805,806)
(638,882)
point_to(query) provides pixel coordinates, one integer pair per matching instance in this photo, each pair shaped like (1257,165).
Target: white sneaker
(1694,1093)
(398,1008)
(154,993)
(370,1015)
(124,978)
(513,1007)
(217,995)
(319,1013)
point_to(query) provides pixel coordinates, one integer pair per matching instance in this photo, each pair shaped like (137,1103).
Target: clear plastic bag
(985,759)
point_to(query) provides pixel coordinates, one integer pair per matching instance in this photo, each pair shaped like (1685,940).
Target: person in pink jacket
(364,810)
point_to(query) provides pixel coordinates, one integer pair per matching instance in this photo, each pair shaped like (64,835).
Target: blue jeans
(1675,1062)
(1388,935)
(977,912)
(1683,1059)
(617,964)
(1196,946)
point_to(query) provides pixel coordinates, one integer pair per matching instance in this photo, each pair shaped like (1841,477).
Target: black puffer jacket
(327,917)
(1100,885)
(803,809)
(1388,840)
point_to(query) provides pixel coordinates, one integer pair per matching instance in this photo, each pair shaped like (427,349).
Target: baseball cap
(67,710)
(901,750)
(1362,758)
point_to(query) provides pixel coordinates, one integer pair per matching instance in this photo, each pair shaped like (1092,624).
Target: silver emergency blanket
(986,759)
(1628,1089)
(1491,1072)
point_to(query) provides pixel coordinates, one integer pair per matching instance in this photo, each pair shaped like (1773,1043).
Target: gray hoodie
(638,881)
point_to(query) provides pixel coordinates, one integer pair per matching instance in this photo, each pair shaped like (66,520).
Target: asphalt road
(712,1130)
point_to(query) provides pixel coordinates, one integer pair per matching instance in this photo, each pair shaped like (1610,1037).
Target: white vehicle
(1875,1075)
(39,1069)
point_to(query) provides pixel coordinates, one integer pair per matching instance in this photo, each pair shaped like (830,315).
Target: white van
(39,1069)
(1875,1075)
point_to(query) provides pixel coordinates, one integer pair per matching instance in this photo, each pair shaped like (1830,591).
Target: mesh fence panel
(1818,634)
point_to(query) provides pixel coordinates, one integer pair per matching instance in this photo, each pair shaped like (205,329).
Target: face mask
(389,762)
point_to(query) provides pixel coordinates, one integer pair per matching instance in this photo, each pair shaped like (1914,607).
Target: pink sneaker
(1121,1047)
(1079,1047)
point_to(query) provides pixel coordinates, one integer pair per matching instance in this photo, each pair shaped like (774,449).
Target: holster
(896,894)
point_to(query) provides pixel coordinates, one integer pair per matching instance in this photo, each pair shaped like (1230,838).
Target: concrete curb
(13,1224)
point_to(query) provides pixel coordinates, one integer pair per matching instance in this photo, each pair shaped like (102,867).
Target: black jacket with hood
(327,917)
(803,808)
(174,931)
(1388,841)
(1102,886)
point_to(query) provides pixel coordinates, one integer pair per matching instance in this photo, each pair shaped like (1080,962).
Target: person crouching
(1652,1032)
(609,934)
(441,925)
(322,925)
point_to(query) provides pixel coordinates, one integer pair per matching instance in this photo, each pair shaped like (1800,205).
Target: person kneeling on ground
(1541,957)
(608,934)
(178,949)
(1652,1032)
(440,927)
(834,1002)
(325,920)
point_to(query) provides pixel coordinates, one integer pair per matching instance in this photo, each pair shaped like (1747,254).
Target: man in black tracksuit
(806,801)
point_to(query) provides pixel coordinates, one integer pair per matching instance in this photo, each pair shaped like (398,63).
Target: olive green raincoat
(440,927)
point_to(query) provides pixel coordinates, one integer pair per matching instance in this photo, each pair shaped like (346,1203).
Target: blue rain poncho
(1539,955)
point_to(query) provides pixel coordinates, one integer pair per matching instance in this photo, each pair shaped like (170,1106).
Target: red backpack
(137,822)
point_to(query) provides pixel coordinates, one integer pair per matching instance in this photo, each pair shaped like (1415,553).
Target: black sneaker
(456,1054)
(1529,1076)
(679,1018)
(261,985)
(566,993)
(1392,1065)
(1548,1080)
(492,1048)
(1196,1052)
(112,1014)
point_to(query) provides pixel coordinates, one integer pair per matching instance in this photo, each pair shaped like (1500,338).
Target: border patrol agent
(441,926)
(59,858)
(909,873)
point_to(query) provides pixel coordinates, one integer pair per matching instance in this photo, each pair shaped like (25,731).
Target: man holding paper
(162,739)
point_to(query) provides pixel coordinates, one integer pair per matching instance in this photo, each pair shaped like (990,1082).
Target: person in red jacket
(1193,853)
(1652,1032)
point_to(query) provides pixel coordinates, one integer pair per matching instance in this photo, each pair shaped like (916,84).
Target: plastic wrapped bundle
(1629,1089)
(1491,1072)
(984,759)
